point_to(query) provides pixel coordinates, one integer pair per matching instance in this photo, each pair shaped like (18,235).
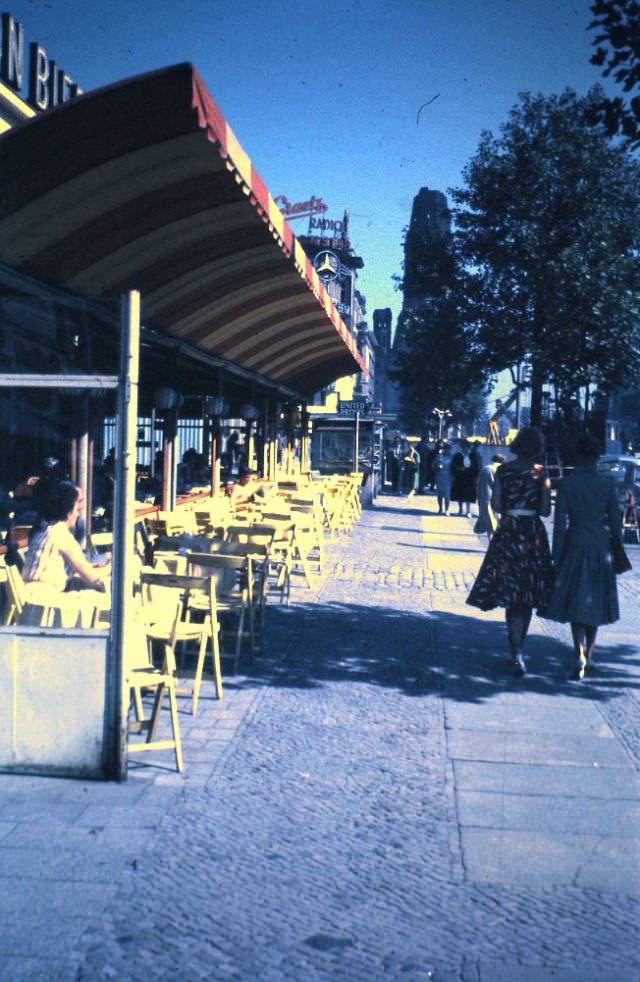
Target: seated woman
(55,560)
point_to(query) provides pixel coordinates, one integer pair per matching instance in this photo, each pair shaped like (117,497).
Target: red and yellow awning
(143,185)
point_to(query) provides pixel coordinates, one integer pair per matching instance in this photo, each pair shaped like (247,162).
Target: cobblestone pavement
(378,799)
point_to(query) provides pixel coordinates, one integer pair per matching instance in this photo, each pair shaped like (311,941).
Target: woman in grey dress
(585,592)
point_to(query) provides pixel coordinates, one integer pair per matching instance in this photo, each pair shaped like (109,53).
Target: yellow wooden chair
(280,552)
(16,598)
(233,578)
(255,541)
(295,526)
(36,605)
(162,680)
(307,517)
(159,593)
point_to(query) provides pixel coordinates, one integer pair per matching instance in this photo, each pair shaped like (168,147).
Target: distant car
(624,471)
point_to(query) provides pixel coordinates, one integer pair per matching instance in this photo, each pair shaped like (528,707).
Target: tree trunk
(537,381)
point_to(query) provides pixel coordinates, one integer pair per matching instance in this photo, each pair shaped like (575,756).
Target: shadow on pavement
(421,654)
(427,549)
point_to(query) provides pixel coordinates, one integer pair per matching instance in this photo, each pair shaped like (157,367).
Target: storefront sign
(48,85)
(322,242)
(349,407)
(354,407)
(302,209)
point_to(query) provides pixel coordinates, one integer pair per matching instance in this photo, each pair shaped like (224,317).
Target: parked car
(624,471)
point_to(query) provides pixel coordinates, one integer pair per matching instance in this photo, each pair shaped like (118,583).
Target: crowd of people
(450,470)
(572,582)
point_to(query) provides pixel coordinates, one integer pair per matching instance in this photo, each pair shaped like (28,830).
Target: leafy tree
(547,229)
(436,367)
(435,358)
(618,25)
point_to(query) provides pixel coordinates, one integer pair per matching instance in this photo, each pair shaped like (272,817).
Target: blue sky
(324,96)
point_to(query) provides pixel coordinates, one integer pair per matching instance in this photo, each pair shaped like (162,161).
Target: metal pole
(215,426)
(82,451)
(166,459)
(123,529)
(356,468)
(152,439)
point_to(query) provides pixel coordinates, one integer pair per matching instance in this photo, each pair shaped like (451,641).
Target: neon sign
(302,209)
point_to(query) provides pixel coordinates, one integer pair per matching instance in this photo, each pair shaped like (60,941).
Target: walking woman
(516,572)
(487,520)
(412,471)
(585,592)
(442,477)
(464,473)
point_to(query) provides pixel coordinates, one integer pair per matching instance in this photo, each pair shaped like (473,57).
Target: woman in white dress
(55,559)
(487,521)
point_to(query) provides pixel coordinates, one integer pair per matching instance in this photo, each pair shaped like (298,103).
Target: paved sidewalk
(378,799)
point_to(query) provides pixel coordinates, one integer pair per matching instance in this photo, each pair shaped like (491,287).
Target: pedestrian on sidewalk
(585,593)
(464,476)
(487,521)
(393,468)
(442,472)
(412,470)
(516,572)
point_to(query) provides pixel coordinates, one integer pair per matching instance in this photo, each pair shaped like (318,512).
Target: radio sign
(48,85)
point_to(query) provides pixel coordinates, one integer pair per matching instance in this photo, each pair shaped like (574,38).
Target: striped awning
(143,185)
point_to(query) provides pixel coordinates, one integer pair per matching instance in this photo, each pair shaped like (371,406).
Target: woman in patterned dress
(517,573)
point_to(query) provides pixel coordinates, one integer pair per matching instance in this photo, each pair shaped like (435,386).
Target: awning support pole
(123,535)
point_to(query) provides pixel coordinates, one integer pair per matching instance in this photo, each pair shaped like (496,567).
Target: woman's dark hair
(498,458)
(527,442)
(60,502)
(587,448)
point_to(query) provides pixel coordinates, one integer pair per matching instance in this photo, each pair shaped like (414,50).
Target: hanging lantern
(166,398)
(248,412)
(217,406)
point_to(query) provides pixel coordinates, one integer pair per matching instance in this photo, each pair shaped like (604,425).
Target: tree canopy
(617,44)
(547,231)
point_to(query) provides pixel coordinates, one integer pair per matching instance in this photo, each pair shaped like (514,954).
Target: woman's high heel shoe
(579,669)
(519,667)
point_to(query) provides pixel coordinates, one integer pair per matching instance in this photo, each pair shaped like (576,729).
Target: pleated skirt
(585,589)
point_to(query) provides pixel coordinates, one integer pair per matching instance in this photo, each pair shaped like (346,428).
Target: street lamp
(442,414)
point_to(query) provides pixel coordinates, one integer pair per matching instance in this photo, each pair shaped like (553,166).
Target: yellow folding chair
(159,593)
(233,578)
(163,681)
